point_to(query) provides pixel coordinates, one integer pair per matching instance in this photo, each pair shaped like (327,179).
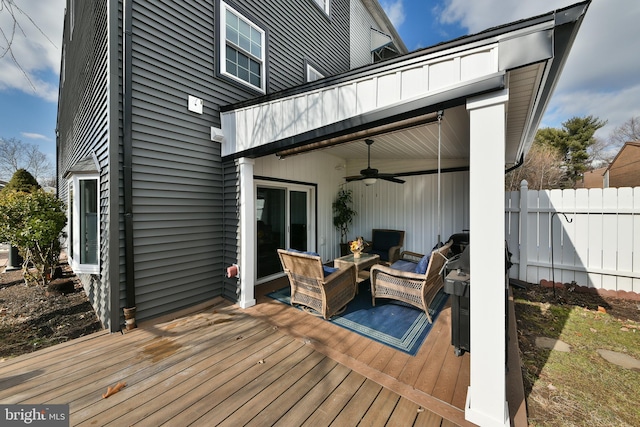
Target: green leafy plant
(343,213)
(33,223)
(21,180)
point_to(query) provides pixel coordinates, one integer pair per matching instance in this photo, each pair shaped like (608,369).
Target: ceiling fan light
(369,181)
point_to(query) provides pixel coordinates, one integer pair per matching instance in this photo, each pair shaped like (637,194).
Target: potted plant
(343,215)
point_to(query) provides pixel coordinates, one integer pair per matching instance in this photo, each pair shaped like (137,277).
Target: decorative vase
(356,254)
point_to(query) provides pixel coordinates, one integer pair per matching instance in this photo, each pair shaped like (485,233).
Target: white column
(486,396)
(247,261)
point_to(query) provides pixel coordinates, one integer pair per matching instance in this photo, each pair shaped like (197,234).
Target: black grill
(456,284)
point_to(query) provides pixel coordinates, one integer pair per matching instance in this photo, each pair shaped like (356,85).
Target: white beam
(486,396)
(247,259)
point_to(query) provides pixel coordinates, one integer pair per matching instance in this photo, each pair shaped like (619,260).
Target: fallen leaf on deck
(113,390)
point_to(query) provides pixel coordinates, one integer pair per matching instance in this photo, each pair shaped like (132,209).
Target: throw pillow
(328,270)
(423,264)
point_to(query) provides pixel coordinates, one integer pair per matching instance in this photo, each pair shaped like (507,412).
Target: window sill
(84,268)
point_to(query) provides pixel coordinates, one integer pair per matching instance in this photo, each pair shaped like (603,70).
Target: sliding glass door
(283,220)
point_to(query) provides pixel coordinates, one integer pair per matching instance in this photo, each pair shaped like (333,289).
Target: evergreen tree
(572,141)
(23,181)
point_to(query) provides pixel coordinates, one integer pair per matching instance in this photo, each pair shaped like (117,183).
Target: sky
(601,77)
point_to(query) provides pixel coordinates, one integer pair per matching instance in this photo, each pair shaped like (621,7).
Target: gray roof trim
(568,22)
(367,123)
(88,165)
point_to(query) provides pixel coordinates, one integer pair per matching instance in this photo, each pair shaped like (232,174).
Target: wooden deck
(267,365)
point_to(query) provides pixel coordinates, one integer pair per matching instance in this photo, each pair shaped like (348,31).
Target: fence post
(524,230)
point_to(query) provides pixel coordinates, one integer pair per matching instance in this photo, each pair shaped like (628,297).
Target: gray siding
(361,24)
(185,204)
(83,125)
(177,172)
(231,225)
(185,223)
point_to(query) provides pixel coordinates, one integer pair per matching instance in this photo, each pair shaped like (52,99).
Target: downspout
(519,163)
(129,310)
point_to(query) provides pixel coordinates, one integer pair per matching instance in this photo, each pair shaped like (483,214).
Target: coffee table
(365,261)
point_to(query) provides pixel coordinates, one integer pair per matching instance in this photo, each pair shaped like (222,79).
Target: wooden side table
(365,261)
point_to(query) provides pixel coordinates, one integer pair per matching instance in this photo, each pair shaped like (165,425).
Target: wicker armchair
(310,287)
(386,243)
(412,288)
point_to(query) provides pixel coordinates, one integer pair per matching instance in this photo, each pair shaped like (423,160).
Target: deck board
(268,365)
(381,409)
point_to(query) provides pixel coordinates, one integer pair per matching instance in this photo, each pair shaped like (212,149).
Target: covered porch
(448,120)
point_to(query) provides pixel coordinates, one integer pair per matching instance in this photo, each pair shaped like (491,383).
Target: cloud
(37,136)
(600,77)
(395,11)
(33,63)
(616,107)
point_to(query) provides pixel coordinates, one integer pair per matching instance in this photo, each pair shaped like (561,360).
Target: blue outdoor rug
(392,323)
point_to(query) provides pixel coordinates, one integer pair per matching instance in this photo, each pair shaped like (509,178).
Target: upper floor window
(324,5)
(84,220)
(242,48)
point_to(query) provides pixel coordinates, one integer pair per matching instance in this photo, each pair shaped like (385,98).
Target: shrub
(21,180)
(33,223)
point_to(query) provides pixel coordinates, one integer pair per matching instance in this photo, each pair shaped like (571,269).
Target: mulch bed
(34,317)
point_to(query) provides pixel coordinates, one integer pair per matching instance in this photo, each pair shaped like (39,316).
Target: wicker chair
(412,288)
(310,287)
(386,243)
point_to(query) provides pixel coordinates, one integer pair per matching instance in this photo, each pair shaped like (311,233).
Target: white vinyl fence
(594,235)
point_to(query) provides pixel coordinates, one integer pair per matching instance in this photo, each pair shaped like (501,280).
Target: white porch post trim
(247,239)
(486,397)
(524,231)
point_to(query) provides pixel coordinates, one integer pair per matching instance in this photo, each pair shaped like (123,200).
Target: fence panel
(591,237)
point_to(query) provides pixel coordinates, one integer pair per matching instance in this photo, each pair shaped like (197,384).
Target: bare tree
(626,132)
(14,155)
(543,169)
(8,33)
(601,152)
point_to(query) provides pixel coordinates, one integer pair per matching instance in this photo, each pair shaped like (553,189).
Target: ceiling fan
(370,175)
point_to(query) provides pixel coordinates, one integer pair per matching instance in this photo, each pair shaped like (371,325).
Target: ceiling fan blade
(370,172)
(391,178)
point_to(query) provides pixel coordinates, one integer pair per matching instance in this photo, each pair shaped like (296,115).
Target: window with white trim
(324,5)
(242,48)
(84,223)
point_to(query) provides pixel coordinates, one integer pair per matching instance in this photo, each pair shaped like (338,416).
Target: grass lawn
(579,387)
